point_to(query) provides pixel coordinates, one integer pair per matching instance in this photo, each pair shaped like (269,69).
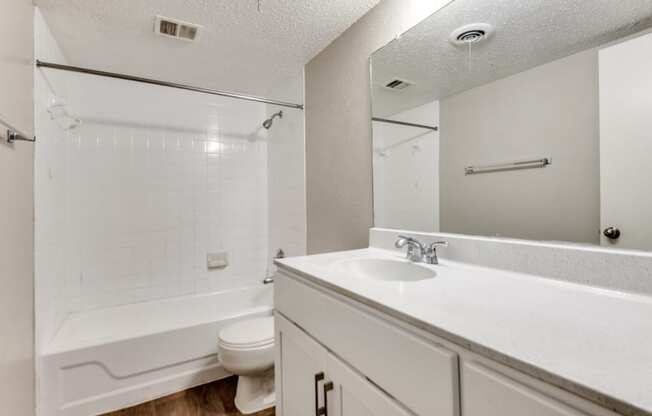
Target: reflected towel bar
(524,164)
(13,134)
(405,123)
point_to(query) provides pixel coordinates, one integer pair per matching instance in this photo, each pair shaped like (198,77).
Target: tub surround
(590,341)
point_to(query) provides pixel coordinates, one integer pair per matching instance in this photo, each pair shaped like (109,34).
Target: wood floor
(214,399)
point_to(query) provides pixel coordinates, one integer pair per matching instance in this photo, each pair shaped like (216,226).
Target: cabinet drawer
(486,392)
(421,375)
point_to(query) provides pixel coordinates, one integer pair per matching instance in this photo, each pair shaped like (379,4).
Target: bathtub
(107,359)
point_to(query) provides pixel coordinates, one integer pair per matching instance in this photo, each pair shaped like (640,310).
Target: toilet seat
(248,334)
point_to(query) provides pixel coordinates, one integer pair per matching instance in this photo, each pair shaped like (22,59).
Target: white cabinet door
(300,368)
(486,392)
(312,382)
(354,395)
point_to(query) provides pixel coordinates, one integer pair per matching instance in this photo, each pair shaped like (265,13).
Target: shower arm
(268,123)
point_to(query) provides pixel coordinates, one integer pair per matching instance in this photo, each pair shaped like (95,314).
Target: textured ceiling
(527,34)
(240,49)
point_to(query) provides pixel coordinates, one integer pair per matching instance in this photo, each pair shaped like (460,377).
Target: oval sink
(385,270)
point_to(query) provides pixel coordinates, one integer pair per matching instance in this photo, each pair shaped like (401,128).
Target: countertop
(593,342)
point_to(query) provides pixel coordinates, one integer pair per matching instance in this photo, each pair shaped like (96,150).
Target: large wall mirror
(524,119)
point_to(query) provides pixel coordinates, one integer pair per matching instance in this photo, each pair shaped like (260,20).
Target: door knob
(611,233)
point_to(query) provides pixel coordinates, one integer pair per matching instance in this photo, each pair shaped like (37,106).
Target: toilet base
(255,393)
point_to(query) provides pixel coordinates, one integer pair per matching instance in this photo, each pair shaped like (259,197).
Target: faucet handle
(402,240)
(434,244)
(415,250)
(431,252)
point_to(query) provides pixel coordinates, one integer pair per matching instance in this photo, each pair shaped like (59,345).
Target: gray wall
(16,208)
(338,128)
(548,111)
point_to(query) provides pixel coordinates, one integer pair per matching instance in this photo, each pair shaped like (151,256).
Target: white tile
(126,212)
(135,209)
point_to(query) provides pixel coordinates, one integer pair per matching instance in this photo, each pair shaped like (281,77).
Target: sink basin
(385,270)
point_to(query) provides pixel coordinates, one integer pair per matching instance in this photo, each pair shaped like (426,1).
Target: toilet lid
(249,333)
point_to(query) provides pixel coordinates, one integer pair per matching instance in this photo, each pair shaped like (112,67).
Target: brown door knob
(611,233)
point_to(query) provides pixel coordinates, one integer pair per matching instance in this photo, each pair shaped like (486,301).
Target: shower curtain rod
(405,123)
(42,64)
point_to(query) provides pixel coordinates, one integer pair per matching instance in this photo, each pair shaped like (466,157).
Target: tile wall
(406,170)
(286,175)
(146,205)
(129,203)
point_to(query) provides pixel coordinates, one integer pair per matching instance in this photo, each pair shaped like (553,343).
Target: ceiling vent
(177,29)
(471,34)
(398,84)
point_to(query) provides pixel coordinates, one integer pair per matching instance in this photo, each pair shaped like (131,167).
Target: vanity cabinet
(489,393)
(338,353)
(303,361)
(315,382)
(399,363)
(356,396)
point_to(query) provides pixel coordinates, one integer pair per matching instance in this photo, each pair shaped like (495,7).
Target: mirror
(518,119)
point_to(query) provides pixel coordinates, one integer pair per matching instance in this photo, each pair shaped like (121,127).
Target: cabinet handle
(318,377)
(328,386)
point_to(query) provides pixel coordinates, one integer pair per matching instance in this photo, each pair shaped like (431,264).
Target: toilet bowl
(246,349)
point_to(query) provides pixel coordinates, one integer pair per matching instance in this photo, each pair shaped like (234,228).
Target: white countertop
(595,339)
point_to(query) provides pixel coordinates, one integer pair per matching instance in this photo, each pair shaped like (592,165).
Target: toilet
(246,349)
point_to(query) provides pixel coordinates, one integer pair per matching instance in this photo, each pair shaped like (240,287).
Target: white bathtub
(111,358)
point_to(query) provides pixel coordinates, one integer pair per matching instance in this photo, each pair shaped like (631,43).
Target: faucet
(417,252)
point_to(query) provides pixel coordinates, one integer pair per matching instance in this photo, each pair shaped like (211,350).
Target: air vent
(177,29)
(398,84)
(471,34)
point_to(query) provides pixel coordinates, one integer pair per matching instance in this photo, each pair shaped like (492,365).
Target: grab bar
(500,167)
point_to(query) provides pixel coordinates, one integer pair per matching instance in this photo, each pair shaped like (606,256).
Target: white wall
(286,170)
(130,203)
(548,111)
(406,171)
(16,206)
(338,126)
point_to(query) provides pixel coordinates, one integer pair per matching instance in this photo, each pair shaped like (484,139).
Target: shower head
(268,123)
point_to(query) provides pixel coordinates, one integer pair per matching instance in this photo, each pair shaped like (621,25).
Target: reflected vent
(177,29)
(398,84)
